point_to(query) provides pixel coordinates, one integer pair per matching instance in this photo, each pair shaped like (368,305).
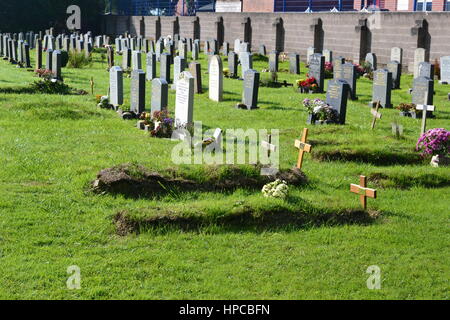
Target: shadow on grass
(378,158)
(243,218)
(402,181)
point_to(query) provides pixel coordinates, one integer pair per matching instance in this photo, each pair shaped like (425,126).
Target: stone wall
(349,34)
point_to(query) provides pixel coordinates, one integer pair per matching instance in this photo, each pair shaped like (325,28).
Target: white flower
(276,189)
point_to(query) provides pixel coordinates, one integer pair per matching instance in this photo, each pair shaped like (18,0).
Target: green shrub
(47,86)
(78,60)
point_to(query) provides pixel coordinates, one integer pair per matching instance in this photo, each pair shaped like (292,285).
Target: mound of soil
(135,181)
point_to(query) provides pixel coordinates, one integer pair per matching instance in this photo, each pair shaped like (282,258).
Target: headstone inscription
(184,100)
(422,91)
(178,67)
(273,61)
(426,69)
(348,72)
(337,67)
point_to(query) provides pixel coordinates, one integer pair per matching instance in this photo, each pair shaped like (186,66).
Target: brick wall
(340,31)
(257,5)
(438,5)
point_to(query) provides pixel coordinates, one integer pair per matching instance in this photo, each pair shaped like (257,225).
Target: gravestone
(317,69)
(215,79)
(328,54)
(182,50)
(160,94)
(337,94)
(178,67)
(348,74)
(337,67)
(196,72)
(251,89)
(395,68)
(136,60)
(262,50)
(38,54)
(27,55)
(206,48)
(237,46)
(419,56)
(381,89)
(137,98)
(110,56)
(164,71)
(151,66)
(225,49)
(273,61)
(48,64)
(126,59)
(397,55)
(56,64)
(233,64)
(422,91)
(213,47)
(309,52)
(246,62)
(195,50)
(371,58)
(294,63)
(184,100)
(445,70)
(426,69)
(116,86)
(159,50)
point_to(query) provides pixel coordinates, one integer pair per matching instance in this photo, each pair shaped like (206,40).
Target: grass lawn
(52,148)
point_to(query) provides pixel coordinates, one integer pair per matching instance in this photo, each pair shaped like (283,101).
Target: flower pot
(440,161)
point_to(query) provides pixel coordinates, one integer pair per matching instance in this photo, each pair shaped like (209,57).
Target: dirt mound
(134,180)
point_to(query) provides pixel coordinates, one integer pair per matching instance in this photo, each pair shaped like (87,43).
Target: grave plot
(158,215)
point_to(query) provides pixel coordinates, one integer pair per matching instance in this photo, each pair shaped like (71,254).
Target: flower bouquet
(308,85)
(328,70)
(407,110)
(162,124)
(319,112)
(435,143)
(277,189)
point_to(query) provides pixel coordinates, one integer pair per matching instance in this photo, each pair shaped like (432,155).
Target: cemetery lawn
(52,148)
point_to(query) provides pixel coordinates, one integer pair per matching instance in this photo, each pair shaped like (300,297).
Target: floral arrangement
(103,101)
(434,142)
(320,110)
(277,189)
(162,124)
(44,73)
(328,70)
(307,84)
(406,107)
(359,70)
(226,72)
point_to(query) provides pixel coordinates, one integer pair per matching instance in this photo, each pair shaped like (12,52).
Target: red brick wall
(357,5)
(257,5)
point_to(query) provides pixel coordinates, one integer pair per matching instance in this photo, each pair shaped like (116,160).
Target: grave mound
(235,217)
(405,181)
(134,180)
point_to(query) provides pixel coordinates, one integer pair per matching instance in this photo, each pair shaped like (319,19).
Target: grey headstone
(317,69)
(165,67)
(137,91)
(116,86)
(151,66)
(160,94)
(195,70)
(337,94)
(294,63)
(233,64)
(396,69)
(251,89)
(381,89)
(273,61)
(422,91)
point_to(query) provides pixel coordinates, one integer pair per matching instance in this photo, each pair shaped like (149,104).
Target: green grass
(52,147)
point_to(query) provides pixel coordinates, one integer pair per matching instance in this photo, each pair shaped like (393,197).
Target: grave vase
(311,119)
(410,114)
(440,160)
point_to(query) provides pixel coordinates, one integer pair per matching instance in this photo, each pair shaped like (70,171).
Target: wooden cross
(424,108)
(268,145)
(92,85)
(363,191)
(376,114)
(303,147)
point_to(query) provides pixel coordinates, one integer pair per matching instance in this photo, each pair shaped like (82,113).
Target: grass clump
(78,60)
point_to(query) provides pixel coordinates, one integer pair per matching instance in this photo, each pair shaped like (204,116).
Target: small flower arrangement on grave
(44,73)
(283,57)
(367,70)
(161,124)
(277,189)
(328,70)
(434,142)
(226,72)
(307,85)
(319,110)
(406,107)
(103,101)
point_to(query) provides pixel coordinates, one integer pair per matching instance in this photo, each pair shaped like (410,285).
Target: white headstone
(215,79)
(184,101)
